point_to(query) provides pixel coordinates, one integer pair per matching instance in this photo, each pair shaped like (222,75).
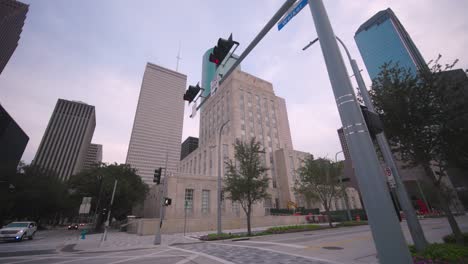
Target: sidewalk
(125,241)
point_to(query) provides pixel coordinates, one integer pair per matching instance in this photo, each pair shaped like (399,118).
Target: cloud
(96,51)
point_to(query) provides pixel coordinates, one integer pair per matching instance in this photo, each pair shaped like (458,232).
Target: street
(341,245)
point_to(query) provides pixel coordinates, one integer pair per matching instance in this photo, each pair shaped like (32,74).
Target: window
(189,200)
(205,207)
(267,203)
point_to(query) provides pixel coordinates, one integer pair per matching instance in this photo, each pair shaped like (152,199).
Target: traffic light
(191,93)
(167,201)
(157,176)
(373,122)
(221,50)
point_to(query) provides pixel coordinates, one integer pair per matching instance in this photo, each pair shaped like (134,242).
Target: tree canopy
(246,181)
(131,190)
(319,180)
(425,117)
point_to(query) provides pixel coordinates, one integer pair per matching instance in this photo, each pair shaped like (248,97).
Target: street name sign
(295,9)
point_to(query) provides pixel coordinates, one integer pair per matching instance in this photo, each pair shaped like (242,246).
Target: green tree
(426,121)
(98,182)
(319,181)
(246,181)
(37,195)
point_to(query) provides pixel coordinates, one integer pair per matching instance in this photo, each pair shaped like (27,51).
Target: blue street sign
(292,13)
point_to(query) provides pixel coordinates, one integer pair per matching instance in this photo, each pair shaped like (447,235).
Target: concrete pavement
(341,245)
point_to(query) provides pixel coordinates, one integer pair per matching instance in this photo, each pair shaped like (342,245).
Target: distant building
(93,156)
(12,17)
(383,39)
(189,145)
(67,138)
(13,141)
(157,128)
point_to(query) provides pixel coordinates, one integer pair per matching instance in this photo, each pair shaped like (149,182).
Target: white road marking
(136,257)
(282,252)
(190,258)
(203,254)
(274,243)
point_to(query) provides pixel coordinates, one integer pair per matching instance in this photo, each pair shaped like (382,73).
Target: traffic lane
(141,256)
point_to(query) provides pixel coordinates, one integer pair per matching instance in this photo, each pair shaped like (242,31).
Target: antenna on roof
(178,58)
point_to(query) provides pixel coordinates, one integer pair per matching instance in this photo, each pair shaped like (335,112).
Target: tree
(246,181)
(98,182)
(37,195)
(319,181)
(426,121)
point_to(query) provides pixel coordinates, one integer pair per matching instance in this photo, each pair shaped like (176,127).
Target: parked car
(17,231)
(73,227)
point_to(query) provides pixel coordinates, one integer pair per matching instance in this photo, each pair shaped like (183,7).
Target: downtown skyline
(69,51)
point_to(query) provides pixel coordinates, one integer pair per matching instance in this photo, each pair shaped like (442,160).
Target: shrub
(438,253)
(451,239)
(215,236)
(351,223)
(294,228)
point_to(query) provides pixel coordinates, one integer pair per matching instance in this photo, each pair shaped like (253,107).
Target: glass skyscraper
(383,39)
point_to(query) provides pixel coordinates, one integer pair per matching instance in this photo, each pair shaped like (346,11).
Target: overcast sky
(96,52)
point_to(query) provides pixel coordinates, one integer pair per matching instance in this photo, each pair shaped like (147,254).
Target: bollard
(83,233)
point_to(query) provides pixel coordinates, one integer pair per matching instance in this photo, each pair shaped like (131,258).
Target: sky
(96,52)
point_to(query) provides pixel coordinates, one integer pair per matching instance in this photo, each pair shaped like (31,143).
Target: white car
(17,231)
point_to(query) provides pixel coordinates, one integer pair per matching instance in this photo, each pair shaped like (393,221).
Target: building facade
(67,138)
(93,156)
(157,128)
(13,141)
(189,145)
(383,39)
(12,17)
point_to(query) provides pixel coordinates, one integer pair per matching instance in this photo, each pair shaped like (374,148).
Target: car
(17,231)
(73,227)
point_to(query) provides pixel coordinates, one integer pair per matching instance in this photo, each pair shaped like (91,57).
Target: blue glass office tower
(383,39)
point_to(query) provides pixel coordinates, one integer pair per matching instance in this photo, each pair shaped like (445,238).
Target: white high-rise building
(157,128)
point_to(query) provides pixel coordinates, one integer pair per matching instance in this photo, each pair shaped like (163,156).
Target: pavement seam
(137,257)
(187,259)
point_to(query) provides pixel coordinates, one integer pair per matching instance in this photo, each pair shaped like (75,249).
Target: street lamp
(346,200)
(414,226)
(219,176)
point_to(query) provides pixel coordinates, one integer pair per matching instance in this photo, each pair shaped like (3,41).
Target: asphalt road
(341,245)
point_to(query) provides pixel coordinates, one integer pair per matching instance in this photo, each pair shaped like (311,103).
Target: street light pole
(219,176)
(386,231)
(346,200)
(414,226)
(106,226)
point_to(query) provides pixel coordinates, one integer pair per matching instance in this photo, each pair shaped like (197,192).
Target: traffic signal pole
(162,194)
(386,231)
(414,226)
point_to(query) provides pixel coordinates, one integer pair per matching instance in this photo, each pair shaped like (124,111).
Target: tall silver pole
(414,226)
(219,177)
(104,236)
(346,200)
(386,231)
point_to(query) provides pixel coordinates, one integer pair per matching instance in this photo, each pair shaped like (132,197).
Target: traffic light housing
(167,201)
(157,176)
(191,93)
(373,122)
(221,50)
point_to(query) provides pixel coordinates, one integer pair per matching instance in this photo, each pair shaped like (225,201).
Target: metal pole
(185,216)
(162,191)
(98,200)
(276,17)
(414,226)
(346,200)
(219,178)
(386,231)
(106,226)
